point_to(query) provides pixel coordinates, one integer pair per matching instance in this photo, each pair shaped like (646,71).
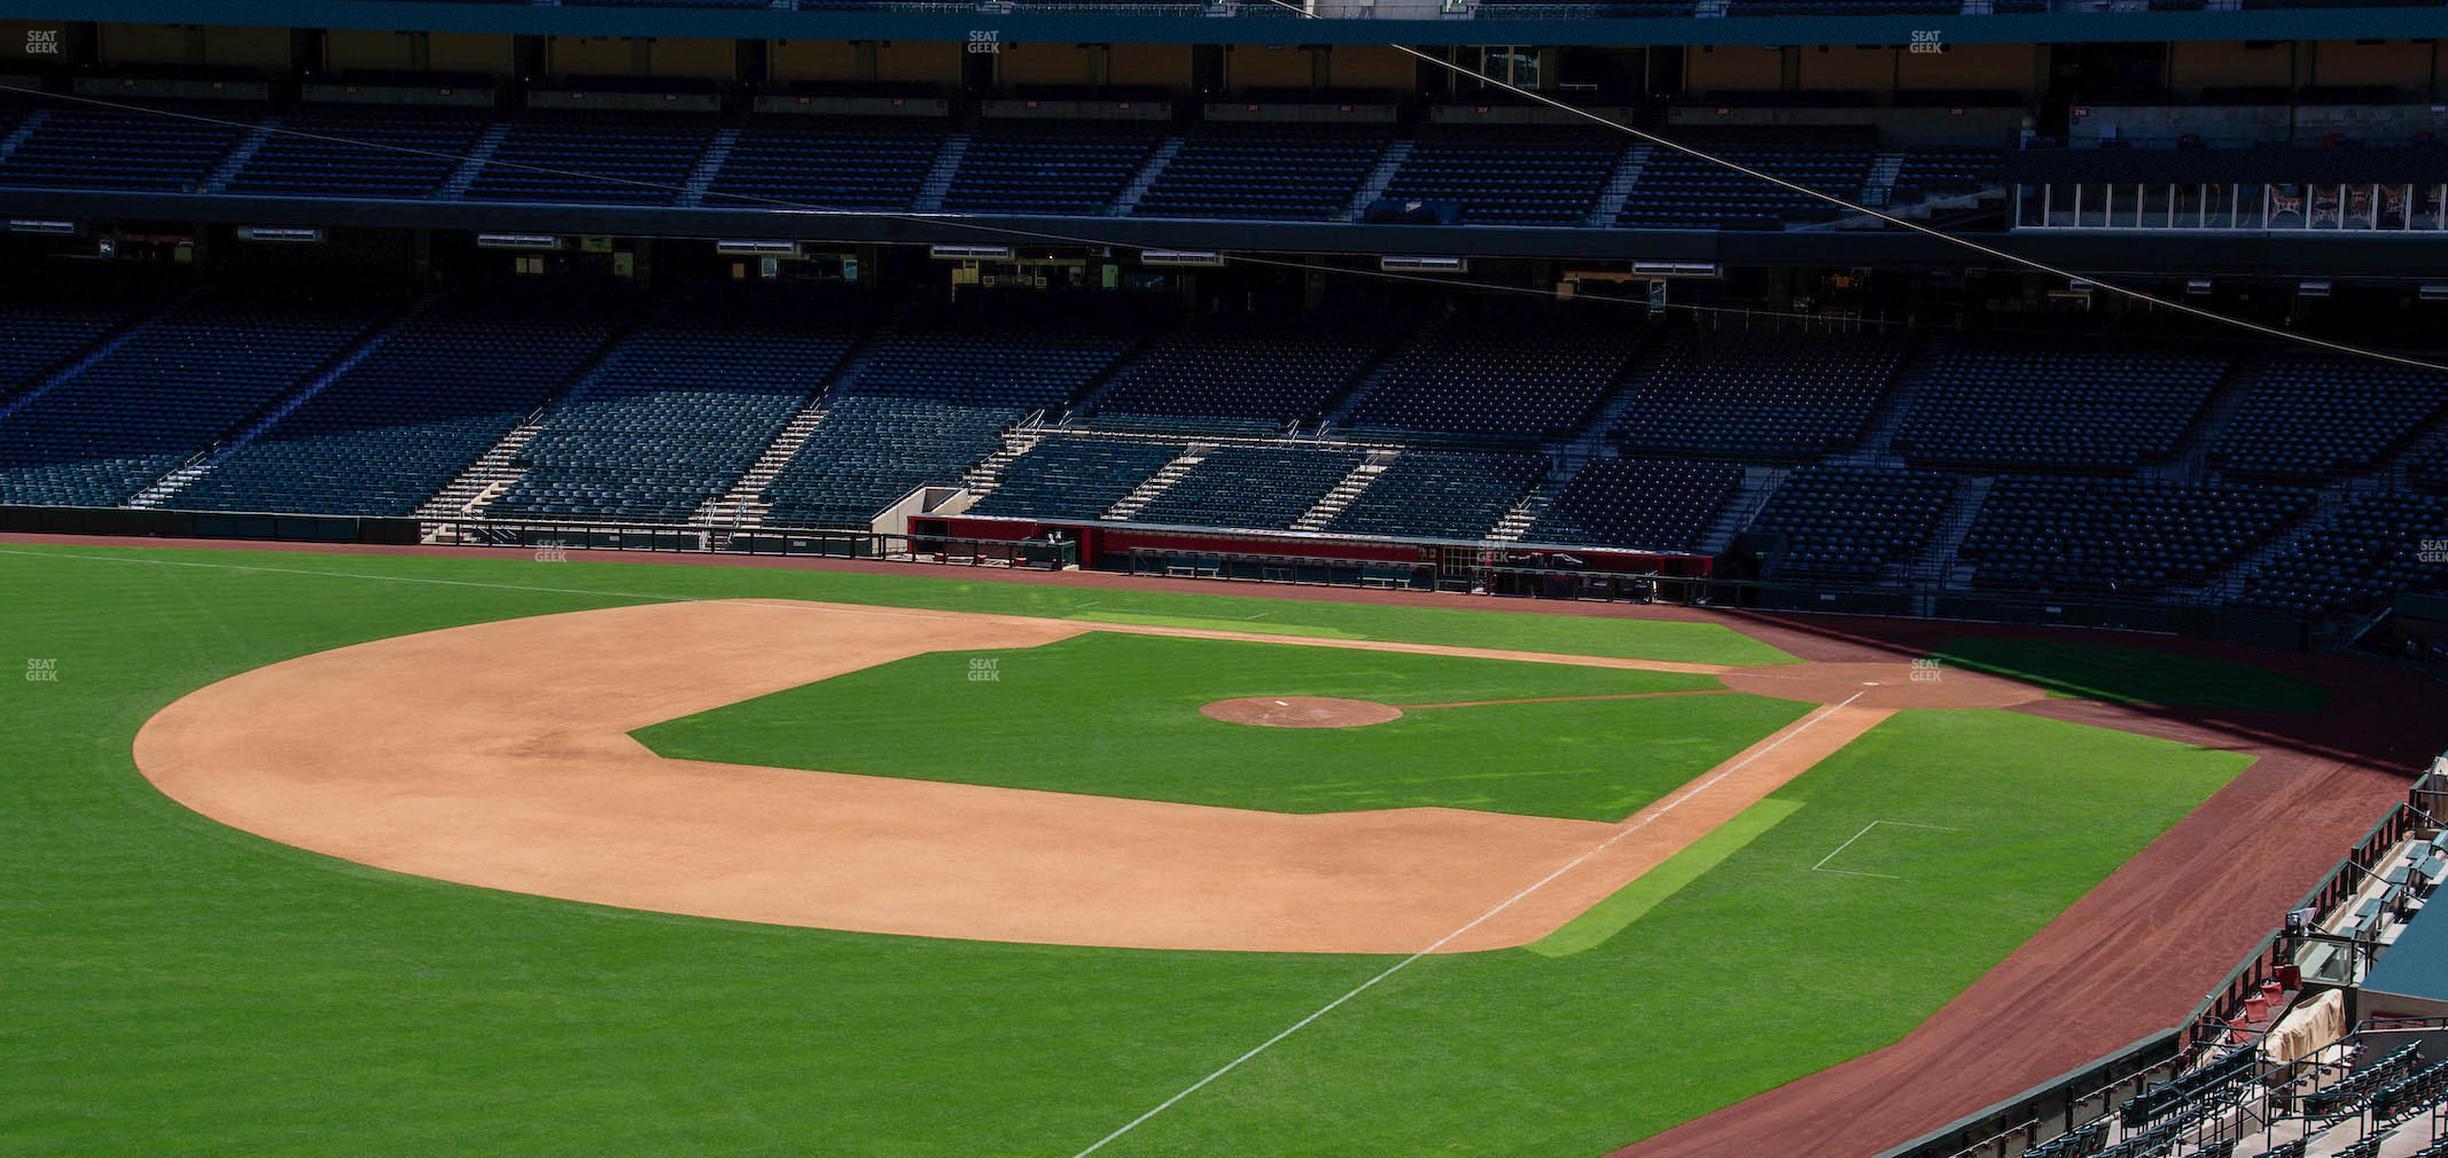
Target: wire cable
(1891,219)
(791,206)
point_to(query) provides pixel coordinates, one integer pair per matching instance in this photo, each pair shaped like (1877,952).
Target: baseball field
(323,852)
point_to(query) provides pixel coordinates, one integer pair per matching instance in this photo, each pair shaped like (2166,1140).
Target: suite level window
(1514,66)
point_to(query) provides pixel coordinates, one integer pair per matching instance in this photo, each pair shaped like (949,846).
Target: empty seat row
(1646,504)
(2014,400)
(2309,416)
(1250,487)
(1851,523)
(1776,393)
(1499,377)
(1437,494)
(1249,374)
(165,393)
(2121,536)
(393,427)
(1074,478)
(677,412)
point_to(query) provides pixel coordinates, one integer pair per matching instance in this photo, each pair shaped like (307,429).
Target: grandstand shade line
(1804,725)
(945,220)
(1891,219)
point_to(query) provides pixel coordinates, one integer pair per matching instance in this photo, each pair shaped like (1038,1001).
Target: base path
(498,755)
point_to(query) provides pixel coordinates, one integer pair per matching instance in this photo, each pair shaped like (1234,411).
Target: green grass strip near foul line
(1632,902)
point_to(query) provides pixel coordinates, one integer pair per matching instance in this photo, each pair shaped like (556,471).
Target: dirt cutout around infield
(498,755)
(1883,685)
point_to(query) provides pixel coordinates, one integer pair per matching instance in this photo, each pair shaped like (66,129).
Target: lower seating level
(1850,459)
(1641,504)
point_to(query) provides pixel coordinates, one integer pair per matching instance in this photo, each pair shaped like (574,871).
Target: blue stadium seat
(389,431)
(164,394)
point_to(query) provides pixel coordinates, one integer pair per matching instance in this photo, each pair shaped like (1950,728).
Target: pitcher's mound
(1301,712)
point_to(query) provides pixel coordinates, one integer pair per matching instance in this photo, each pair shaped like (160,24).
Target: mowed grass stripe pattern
(1118,715)
(177,986)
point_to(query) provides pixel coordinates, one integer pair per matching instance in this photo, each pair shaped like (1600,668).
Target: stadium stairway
(2327,502)
(1339,412)
(162,490)
(237,159)
(938,181)
(744,505)
(1937,563)
(1341,495)
(1619,187)
(709,166)
(1879,189)
(478,156)
(1621,396)
(484,480)
(25,128)
(1516,522)
(1758,483)
(1388,164)
(1904,390)
(1158,483)
(982,479)
(1165,152)
(99,350)
(2191,462)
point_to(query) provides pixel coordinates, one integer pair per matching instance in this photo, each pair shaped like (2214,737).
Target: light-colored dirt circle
(1301,712)
(1882,685)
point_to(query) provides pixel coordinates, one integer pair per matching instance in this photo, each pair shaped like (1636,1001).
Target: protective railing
(2093,1093)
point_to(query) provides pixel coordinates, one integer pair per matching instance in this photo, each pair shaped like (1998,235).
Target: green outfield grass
(924,587)
(174,986)
(1118,715)
(2133,675)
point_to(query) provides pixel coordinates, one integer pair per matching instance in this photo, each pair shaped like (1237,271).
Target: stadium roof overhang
(1085,25)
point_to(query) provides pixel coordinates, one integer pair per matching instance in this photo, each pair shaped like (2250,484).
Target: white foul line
(1805,725)
(1821,867)
(1643,822)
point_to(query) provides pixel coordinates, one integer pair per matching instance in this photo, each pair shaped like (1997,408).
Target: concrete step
(1350,487)
(709,166)
(939,176)
(1158,483)
(477,157)
(1145,179)
(1389,163)
(238,157)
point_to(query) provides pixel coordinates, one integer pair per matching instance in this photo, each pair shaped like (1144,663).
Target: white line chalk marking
(1804,725)
(1821,867)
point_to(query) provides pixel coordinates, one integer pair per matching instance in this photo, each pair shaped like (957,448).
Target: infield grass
(1118,715)
(176,986)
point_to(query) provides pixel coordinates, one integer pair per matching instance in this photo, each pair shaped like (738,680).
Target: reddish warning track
(2135,955)
(2130,958)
